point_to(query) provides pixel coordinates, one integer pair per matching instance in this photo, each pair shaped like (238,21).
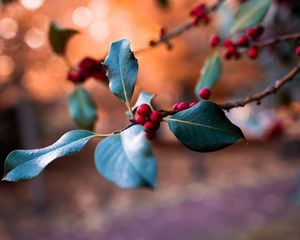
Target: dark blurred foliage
(165,4)
(7,1)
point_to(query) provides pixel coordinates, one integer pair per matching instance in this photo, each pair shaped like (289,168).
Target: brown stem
(272,41)
(268,91)
(178,30)
(123,129)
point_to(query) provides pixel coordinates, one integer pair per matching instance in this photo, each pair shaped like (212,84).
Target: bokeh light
(32,4)
(82,17)
(7,65)
(8,28)
(99,30)
(99,9)
(35,38)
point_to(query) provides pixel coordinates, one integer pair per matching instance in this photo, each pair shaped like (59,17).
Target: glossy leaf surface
(127,159)
(204,128)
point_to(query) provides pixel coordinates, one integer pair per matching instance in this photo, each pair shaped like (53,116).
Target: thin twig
(178,30)
(272,41)
(268,91)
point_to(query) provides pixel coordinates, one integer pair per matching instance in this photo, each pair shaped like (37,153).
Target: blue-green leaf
(122,68)
(204,128)
(59,37)
(249,14)
(225,19)
(82,108)
(127,159)
(210,73)
(26,164)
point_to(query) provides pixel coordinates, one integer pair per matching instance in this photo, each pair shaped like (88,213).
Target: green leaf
(122,68)
(127,159)
(59,37)
(82,108)
(204,128)
(249,14)
(225,19)
(26,164)
(210,74)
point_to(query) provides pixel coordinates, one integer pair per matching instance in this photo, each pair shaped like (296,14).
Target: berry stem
(276,40)
(268,91)
(179,30)
(67,61)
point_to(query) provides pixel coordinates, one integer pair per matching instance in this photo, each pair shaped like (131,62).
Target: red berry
(205,93)
(243,41)
(227,43)
(259,31)
(183,106)
(237,55)
(231,49)
(175,107)
(205,19)
(251,32)
(192,104)
(198,11)
(150,126)
(162,32)
(150,135)
(227,54)
(253,52)
(298,51)
(139,119)
(156,125)
(75,76)
(156,116)
(144,110)
(195,21)
(214,40)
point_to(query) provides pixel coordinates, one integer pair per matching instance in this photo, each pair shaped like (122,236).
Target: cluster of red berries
(244,41)
(200,14)
(150,120)
(87,68)
(204,93)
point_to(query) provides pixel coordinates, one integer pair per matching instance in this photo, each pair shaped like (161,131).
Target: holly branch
(266,92)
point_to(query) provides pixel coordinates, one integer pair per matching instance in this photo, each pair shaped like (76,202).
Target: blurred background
(247,191)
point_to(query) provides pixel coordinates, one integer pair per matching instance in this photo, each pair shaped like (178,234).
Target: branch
(276,40)
(178,30)
(268,91)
